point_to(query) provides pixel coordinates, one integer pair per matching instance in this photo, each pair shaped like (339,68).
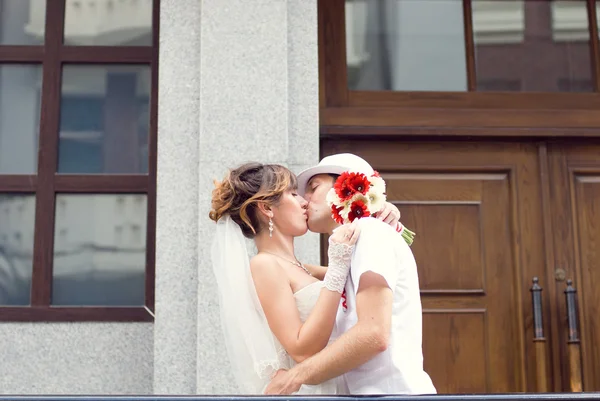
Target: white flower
(376,201)
(358,196)
(376,194)
(345,211)
(348,204)
(332,198)
(377,184)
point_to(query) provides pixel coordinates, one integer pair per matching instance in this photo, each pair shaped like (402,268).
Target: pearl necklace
(295,263)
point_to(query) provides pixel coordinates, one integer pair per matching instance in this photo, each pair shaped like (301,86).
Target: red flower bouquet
(354,196)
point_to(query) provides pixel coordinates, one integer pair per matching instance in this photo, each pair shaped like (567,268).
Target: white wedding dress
(306,298)
(254,352)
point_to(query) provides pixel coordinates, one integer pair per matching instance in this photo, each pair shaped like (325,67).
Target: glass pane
(533,46)
(405,45)
(22,22)
(99,250)
(108,23)
(19,118)
(104,119)
(17,221)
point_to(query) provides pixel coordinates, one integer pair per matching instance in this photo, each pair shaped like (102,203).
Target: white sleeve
(376,251)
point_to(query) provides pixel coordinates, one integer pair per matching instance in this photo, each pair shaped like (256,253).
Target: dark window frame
(52,55)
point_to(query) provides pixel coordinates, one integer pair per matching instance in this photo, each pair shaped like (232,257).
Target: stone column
(238,83)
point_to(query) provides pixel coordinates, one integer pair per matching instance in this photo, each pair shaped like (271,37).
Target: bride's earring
(270,227)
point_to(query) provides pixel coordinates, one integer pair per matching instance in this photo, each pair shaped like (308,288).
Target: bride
(275,311)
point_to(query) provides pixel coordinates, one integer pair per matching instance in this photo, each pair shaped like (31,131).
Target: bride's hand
(346,234)
(341,246)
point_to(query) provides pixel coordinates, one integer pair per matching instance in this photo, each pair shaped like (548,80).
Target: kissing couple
(352,327)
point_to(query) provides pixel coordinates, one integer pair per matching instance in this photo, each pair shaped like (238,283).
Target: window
(78,111)
(433,66)
(456,45)
(406,45)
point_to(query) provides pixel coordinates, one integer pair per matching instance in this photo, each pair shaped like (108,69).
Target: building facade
(117,115)
(236,82)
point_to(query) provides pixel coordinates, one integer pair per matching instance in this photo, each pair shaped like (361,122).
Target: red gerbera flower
(348,184)
(335,213)
(359,183)
(342,187)
(358,209)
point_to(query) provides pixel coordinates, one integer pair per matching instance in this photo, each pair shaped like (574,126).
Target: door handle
(539,341)
(573,343)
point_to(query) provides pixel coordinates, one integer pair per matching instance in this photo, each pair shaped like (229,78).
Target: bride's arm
(300,340)
(275,294)
(317,271)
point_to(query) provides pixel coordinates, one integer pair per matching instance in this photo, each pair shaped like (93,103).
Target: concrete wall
(76,358)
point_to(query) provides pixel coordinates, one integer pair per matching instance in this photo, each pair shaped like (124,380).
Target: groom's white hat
(334,164)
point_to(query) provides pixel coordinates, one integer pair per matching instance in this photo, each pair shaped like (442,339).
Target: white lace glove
(340,257)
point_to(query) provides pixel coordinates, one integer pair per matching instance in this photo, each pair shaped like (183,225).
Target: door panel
(587,208)
(478,244)
(456,214)
(576,225)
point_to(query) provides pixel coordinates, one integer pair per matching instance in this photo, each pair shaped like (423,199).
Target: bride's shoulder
(265,264)
(265,269)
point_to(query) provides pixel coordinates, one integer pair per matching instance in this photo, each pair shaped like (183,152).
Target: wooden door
(575,213)
(475,208)
(489,216)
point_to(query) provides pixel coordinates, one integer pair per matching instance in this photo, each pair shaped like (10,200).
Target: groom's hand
(283,383)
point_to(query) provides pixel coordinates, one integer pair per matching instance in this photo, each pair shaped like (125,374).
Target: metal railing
(591,396)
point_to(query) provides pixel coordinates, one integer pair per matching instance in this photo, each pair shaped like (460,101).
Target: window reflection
(534,46)
(108,23)
(19,117)
(22,22)
(420,45)
(100,251)
(17,215)
(104,119)
(405,45)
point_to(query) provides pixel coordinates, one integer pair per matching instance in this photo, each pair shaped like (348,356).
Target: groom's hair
(243,188)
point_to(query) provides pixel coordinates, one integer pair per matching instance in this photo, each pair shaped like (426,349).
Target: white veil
(251,346)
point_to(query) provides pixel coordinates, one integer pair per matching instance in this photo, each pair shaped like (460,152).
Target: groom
(377,345)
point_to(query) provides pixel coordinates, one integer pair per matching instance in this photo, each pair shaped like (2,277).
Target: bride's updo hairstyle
(244,188)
